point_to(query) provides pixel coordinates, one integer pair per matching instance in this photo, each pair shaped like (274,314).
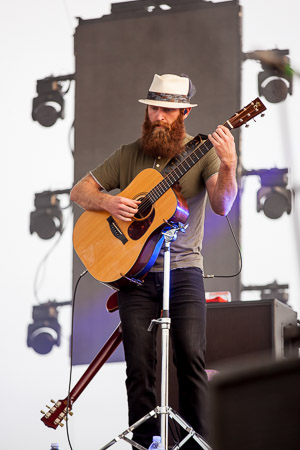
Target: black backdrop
(116,58)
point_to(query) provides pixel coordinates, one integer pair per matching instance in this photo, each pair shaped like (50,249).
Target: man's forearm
(225,190)
(88,195)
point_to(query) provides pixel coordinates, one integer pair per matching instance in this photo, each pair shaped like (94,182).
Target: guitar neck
(102,356)
(196,149)
(60,410)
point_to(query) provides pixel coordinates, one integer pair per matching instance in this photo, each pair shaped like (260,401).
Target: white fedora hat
(170,91)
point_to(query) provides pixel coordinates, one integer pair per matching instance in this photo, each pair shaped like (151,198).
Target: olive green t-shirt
(119,169)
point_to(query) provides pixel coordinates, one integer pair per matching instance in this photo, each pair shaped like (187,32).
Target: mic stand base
(154,413)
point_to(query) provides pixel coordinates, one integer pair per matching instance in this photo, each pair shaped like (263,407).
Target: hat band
(175,98)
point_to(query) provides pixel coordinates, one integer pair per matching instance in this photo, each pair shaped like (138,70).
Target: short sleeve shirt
(119,169)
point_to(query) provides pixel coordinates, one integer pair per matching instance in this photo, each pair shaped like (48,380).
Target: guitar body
(112,249)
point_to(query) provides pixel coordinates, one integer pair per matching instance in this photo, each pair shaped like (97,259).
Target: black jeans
(137,307)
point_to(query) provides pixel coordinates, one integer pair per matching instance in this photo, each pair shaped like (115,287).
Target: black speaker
(236,332)
(257,407)
(244,329)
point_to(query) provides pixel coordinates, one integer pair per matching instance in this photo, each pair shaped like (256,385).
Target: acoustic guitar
(114,251)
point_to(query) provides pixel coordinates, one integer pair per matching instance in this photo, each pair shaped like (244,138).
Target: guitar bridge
(116,230)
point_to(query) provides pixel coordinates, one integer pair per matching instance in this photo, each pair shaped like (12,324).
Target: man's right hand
(88,194)
(120,207)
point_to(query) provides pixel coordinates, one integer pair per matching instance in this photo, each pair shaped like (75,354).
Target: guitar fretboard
(196,149)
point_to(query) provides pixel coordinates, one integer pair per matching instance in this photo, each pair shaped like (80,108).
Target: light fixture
(275,81)
(45,331)
(47,219)
(49,104)
(273,198)
(162,6)
(270,291)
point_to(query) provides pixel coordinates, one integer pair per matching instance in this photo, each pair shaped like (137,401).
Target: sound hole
(143,213)
(145,207)
(139,227)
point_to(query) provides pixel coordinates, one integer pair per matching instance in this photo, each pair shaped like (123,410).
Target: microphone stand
(165,411)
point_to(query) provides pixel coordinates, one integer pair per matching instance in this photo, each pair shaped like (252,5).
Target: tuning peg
(254,120)
(262,115)
(70,413)
(247,125)
(61,424)
(43,412)
(52,401)
(47,406)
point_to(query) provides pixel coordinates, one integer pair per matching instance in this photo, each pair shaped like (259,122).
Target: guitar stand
(164,410)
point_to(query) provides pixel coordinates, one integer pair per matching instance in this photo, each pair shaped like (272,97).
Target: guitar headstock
(247,113)
(56,414)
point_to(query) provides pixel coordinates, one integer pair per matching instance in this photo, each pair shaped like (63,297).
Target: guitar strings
(171,178)
(155,193)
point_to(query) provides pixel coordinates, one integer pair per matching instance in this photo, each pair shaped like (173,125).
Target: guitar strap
(188,149)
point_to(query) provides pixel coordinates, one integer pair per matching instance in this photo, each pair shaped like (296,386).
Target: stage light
(274,201)
(164,6)
(49,105)
(270,291)
(45,330)
(275,81)
(273,198)
(274,89)
(47,219)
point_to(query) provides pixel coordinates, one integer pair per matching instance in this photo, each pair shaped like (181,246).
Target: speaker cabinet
(256,407)
(236,332)
(245,329)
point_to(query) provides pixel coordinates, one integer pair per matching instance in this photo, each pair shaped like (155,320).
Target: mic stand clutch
(170,234)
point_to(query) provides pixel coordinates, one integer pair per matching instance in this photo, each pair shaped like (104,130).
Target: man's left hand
(223,142)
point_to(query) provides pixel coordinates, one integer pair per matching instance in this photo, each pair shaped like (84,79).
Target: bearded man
(163,138)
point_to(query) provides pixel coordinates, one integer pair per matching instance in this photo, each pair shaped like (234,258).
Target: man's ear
(186,112)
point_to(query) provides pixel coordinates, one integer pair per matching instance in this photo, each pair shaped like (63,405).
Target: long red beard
(166,141)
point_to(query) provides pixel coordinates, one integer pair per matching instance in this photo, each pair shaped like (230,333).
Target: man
(163,138)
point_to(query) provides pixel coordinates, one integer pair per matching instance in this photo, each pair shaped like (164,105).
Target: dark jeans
(137,307)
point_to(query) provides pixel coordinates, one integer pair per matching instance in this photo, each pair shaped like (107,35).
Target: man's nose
(160,114)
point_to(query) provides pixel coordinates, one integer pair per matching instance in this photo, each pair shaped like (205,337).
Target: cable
(240,257)
(68,88)
(71,356)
